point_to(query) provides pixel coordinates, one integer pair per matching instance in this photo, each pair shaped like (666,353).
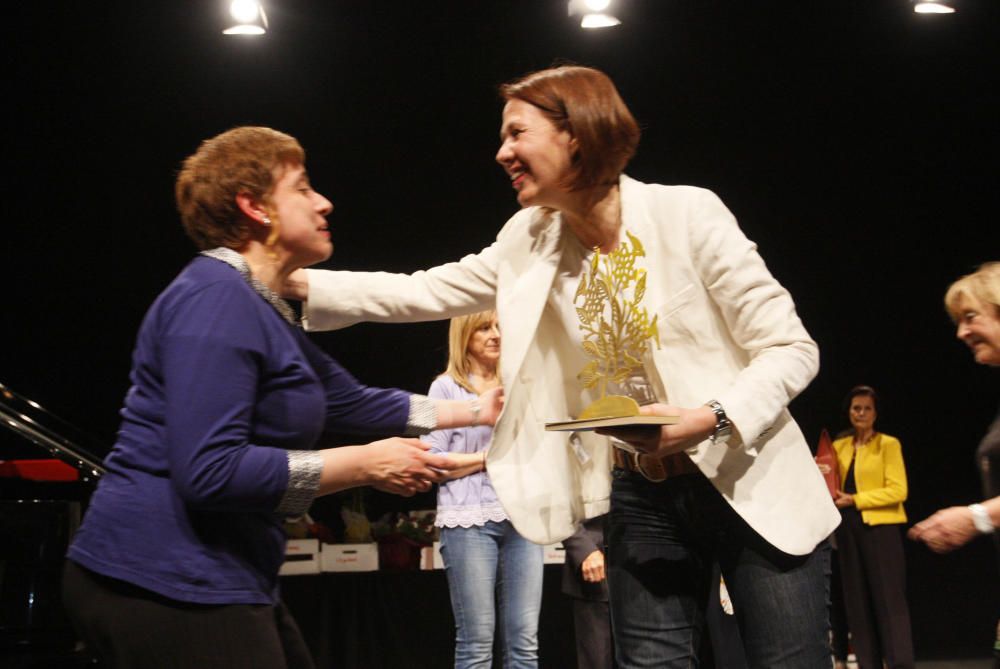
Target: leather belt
(655,469)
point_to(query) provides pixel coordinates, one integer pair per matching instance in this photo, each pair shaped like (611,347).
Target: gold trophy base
(610,406)
(610,411)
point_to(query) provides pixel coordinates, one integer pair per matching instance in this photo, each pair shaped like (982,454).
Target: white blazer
(727,331)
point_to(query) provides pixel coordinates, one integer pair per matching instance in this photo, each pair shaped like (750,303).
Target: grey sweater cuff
(304,470)
(423,416)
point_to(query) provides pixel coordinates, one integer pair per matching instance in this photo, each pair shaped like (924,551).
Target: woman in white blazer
(734,480)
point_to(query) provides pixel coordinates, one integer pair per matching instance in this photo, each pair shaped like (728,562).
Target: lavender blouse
(470,500)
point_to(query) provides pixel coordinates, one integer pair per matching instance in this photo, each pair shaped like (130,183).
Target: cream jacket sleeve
(761,320)
(339,299)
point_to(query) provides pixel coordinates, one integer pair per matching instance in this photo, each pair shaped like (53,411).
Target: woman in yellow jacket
(869,540)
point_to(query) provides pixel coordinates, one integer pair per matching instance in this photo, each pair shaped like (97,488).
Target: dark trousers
(592,624)
(838,616)
(873,575)
(128,627)
(723,630)
(663,539)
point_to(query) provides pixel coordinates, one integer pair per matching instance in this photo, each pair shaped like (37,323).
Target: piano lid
(60,439)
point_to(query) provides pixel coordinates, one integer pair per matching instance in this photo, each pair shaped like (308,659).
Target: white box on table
(301,557)
(554,554)
(349,557)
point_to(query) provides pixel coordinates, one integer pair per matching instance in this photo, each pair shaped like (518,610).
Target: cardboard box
(430,557)
(301,557)
(554,554)
(349,557)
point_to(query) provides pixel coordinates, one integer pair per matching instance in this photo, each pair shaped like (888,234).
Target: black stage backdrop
(855,141)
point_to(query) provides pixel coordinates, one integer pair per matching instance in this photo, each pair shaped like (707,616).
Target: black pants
(873,574)
(131,628)
(592,624)
(838,614)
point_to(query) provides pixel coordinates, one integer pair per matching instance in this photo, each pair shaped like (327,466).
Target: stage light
(934,7)
(596,20)
(249,18)
(593,13)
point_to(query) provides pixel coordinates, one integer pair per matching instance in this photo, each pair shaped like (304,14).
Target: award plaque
(826,459)
(616,330)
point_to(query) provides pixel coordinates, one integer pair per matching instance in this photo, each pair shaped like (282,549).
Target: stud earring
(266,220)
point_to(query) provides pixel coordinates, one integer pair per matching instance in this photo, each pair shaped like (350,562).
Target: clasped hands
(843,500)
(404,466)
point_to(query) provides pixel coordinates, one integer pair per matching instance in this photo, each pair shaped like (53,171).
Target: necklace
(594,235)
(239,263)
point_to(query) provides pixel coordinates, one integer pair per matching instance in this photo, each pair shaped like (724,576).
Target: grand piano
(48,470)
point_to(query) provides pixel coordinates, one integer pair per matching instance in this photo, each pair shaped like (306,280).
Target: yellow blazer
(879,475)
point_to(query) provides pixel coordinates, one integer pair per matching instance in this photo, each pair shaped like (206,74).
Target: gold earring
(272,237)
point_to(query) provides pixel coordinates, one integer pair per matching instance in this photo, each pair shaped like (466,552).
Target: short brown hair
(459,333)
(982,286)
(241,160)
(584,102)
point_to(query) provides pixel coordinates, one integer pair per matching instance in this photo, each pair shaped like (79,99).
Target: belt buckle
(636,463)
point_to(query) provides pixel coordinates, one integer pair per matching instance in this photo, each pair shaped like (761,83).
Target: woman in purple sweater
(489,565)
(176,563)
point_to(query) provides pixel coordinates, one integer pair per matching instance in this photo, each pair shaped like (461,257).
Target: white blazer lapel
(520,308)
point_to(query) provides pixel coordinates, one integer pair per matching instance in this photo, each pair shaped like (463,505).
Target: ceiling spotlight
(593,13)
(934,7)
(248,18)
(596,20)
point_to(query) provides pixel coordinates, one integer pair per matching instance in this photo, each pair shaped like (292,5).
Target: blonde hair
(982,287)
(459,333)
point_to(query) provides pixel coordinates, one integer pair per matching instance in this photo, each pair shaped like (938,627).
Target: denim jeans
(492,568)
(663,539)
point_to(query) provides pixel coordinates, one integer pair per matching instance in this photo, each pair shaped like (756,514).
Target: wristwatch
(981,518)
(723,428)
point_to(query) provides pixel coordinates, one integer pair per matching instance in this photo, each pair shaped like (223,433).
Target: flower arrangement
(401,536)
(416,527)
(304,527)
(357,528)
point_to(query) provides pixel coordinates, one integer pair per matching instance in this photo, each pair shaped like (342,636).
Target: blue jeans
(490,568)
(663,539)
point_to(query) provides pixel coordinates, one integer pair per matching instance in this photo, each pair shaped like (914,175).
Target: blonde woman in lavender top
(479,545)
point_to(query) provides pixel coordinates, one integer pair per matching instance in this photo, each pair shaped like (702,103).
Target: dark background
(855,141)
